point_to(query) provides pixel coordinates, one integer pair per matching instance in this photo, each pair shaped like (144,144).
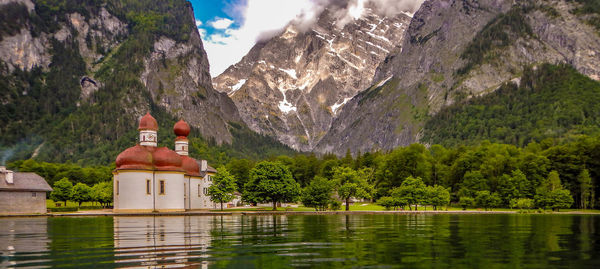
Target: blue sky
(207,11)
(229,28)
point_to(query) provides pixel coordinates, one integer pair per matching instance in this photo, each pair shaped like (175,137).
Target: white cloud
(258,16)
(198,23)
(262,19)
(202,32)
(221,23)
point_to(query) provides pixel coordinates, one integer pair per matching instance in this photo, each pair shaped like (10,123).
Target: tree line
(64,191)
(551,173)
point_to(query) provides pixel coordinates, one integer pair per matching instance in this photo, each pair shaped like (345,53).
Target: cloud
(260,20)
(221,23)
(202,32)
(198,23)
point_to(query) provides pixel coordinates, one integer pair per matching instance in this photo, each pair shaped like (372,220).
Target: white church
(152,179)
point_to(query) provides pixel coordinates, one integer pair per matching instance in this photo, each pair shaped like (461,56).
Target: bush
(522,203)
(465,202)
(388,202)
(335,205)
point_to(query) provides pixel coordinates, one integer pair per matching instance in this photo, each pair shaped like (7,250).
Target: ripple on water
(382,241)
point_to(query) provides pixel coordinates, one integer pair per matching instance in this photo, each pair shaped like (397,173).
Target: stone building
(156,179)
(22,193)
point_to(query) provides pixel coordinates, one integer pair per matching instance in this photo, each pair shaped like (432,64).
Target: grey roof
(210,169)
(24,182)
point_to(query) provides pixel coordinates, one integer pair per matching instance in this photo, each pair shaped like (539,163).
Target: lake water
(330,241)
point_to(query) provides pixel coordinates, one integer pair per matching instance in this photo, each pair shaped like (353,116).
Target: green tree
(513,186)
(223,186)
(585,186)
(80,193)
(486,200)
(62,190)
(102,193)
(522,203)
(413,190)
(350,184)
(466,201)
(388,202)
(271,182)
(402,162)
(473,181)
(437,196)
(240,170)
(560,198)
(392,202)
(543,193)
(318,193)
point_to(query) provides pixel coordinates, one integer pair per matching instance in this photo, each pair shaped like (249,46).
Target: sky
(229,28)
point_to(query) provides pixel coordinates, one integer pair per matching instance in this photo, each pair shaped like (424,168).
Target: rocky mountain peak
(293,85)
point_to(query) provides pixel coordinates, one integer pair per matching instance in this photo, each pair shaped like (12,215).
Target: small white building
(152,179)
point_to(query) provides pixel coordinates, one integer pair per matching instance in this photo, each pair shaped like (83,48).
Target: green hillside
(549,102)
(41,110)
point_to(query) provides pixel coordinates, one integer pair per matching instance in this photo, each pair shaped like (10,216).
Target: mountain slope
(549,102)
(457,50)
(79,76)
(293,85)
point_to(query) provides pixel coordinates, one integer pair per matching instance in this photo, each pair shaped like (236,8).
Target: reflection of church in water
(156,179)
(159,242)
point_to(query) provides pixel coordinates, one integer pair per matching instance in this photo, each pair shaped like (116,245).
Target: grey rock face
(176,74)
(425,70)
(172,76)
(292,86)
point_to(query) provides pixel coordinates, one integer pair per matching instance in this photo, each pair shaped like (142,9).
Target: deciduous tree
(80,193)
(271,182)
(318,193)
(350,184)
(223,186)
(62,190)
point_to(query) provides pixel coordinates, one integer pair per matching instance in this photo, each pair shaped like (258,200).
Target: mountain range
(76,77)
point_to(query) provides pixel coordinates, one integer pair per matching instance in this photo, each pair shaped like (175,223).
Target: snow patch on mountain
(237,86)
(336,106)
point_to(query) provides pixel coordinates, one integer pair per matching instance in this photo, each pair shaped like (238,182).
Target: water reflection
(25,236)
(405,241)
(164,241)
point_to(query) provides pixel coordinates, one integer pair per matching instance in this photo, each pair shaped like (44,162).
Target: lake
(322,241)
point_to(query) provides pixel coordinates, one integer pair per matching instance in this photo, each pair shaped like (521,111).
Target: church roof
(149,158)
(147,122)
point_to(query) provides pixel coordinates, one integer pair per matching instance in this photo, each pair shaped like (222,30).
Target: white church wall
(130,191)
(172,199)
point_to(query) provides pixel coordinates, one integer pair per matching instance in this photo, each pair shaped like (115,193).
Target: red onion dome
(148,123)
(137,157)
(190,166)
(181,128)
(166,160)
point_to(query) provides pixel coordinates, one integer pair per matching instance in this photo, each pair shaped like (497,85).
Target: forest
(501,174)
(550,101)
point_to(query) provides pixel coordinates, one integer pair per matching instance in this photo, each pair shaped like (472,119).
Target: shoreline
(105,213)
(275,213)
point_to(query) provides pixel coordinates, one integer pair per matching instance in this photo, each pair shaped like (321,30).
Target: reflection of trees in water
(242,241)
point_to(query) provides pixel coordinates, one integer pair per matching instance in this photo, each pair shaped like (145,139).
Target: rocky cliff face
(454,50)
(94,68)
(177,76)
(175,73)
(293,85)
